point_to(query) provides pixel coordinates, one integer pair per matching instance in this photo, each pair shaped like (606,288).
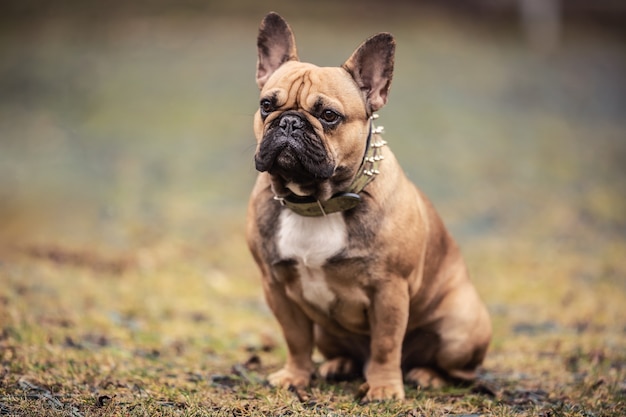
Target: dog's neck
(368,170)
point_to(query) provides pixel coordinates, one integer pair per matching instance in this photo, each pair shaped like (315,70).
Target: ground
(94,335)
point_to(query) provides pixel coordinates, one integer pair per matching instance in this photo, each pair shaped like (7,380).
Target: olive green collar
(310,207)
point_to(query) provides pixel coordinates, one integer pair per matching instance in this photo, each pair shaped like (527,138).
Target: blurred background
(126,124)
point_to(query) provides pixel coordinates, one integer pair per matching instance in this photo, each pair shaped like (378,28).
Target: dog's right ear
(276,45)
(371,66)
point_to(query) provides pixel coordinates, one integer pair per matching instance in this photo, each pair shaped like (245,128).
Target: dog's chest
(311,241)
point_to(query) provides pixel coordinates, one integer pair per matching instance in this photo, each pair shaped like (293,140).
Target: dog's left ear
(371,66)
(276,45)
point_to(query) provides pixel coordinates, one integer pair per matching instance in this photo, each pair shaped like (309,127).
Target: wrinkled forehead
(307,86)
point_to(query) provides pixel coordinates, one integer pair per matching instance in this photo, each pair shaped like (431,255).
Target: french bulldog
(355,261)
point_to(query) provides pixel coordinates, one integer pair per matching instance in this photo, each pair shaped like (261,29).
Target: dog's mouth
(293,152)
(293,164)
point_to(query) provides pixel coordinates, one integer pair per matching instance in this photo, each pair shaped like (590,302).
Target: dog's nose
(289,123)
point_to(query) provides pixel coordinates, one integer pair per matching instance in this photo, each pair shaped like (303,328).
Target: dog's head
(313,122)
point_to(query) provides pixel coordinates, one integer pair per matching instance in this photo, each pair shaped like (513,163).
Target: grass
(178,336)
(125,284)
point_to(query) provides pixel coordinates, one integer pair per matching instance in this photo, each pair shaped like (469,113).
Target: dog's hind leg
(341,368)
(425,378)
(451,348)
(345,355)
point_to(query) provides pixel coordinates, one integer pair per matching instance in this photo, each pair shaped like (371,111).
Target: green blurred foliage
(121,122)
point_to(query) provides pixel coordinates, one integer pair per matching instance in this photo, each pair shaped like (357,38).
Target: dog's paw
(425,378)
(377,393)
(338,369)
(286,378)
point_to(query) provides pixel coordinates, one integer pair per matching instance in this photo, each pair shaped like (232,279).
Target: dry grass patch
(179,336)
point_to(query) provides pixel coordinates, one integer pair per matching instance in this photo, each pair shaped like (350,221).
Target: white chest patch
(311,241)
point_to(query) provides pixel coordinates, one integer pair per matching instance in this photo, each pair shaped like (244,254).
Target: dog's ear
(276,45)
(371,66)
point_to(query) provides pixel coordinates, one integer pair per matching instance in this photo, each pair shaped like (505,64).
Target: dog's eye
(330,116)
(266,106)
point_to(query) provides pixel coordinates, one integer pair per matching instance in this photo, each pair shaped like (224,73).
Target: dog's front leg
(298,332)
(388,318)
